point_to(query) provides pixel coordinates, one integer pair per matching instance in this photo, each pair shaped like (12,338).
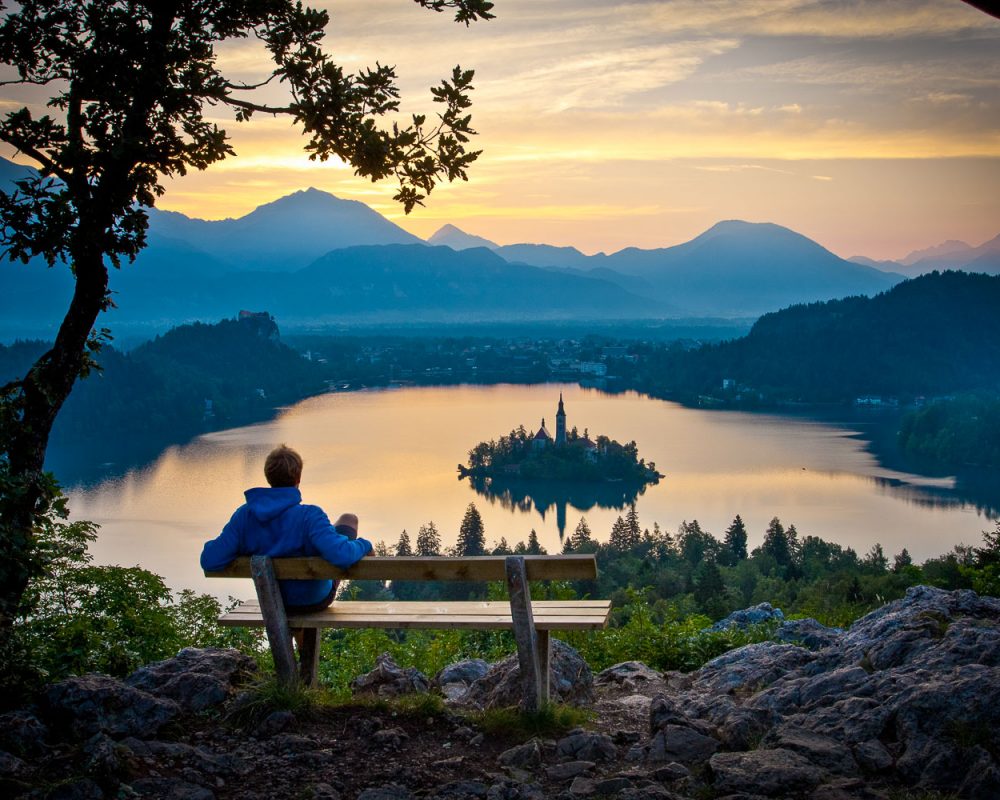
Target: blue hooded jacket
(275,523)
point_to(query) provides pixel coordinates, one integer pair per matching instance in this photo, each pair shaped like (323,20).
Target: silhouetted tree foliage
(133,83)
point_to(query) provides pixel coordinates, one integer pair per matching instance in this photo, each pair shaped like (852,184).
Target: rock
(454,680)
(171,789)
(872,756)
(751,667)
(902,632)
(665,711)
(22,733)
(821,750)
(195,678)
(629,674)
(466,672)
(571,680)
(587,747)
(12,767)
(390,738)
(388,679)
(611,786)
(671,772)
(568,770)
(322,791)
(808,633)
(274,723)
(102,762)
(84,789)
(390,792)
(525,756)
(758,614)
(770,772)
(582,787)
(681,743)
(90,704)
(460,790)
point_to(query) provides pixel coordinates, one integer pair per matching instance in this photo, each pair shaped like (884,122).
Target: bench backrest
(423,568)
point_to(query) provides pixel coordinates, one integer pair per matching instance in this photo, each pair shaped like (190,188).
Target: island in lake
(568,456)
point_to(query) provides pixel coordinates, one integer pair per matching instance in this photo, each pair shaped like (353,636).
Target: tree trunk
(32,404)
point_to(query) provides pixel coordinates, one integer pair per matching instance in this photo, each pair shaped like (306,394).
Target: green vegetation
(550,721)
(963,431)
(579,459)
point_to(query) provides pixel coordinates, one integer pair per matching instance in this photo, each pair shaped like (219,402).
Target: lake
(391,457)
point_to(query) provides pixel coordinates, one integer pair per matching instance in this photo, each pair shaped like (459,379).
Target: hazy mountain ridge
(283,257)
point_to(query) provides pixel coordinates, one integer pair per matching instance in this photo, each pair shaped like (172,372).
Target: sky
(871,126)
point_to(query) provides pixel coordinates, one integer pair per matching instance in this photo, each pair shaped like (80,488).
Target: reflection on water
(390,457)
(543,496)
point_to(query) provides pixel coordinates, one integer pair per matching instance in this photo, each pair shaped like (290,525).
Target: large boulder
(808,633)
(91,704)
(570,680)
(775,773)
(195,678)
(454,680)
(388,679)
(747,617)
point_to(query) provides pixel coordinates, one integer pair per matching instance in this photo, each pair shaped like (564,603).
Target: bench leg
(272,608)
(525,634)
(309,657)
(544,666)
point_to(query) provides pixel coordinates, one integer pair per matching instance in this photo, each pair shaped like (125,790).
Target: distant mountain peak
(451,236)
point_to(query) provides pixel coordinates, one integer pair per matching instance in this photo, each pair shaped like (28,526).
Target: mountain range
(312,258)
(951,254)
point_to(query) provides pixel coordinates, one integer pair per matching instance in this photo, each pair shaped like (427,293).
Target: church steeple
(561,422)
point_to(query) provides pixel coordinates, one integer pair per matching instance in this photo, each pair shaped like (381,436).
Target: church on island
(542,439)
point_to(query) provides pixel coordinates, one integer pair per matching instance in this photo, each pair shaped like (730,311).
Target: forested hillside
(936,334)
(192,379)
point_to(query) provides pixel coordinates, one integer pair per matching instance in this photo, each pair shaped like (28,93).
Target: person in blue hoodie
(275,522)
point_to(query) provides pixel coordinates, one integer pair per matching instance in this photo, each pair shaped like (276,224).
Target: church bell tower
(561,422)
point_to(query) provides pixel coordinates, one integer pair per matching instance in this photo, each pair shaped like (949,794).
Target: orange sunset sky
(872,127)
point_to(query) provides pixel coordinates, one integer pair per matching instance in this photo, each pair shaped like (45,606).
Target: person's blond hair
(283,467)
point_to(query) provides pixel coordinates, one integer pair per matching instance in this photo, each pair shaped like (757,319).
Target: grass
(270,695)
(551,720)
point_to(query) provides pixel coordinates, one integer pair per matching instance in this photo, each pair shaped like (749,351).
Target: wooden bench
(530,621)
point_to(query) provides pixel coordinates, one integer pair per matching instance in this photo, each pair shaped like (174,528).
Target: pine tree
(471,534)
(618,539)
(901,560)
(776,545)
(502,548)
(581,536)
(428,540)
(736,542)
(534,547)
(709,588)
(632,528)
(403,545)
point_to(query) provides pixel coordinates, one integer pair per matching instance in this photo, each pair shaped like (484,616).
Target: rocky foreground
(904,704)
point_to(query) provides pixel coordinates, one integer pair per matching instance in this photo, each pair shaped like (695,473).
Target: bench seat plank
(467,615)
(423,568)
(488,607)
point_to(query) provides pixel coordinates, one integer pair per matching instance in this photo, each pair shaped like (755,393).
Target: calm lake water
(391,455)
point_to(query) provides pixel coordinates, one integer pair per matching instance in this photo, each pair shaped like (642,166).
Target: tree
(133,82)
(403,545)
(736,541)
(776,546)
(471,534)
(901,560)
(428,540)
(581,537)
(502,548)
(632,526)
(534,547)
